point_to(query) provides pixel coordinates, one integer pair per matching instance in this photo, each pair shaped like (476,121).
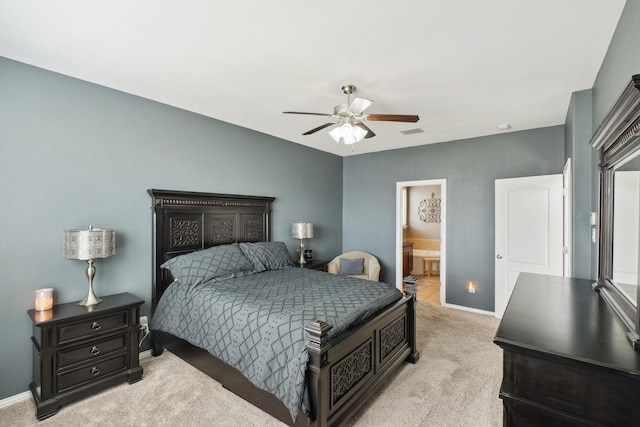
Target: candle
(43,316)
(44,299)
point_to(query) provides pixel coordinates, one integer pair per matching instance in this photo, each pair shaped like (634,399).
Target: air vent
(411,131)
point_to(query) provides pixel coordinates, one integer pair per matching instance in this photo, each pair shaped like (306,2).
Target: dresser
(407,258)
(566,358)
(80,350)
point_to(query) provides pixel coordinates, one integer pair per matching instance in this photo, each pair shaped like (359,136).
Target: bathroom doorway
(421,225)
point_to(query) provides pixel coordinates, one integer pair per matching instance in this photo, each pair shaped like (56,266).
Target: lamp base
(302,261)
(91,298)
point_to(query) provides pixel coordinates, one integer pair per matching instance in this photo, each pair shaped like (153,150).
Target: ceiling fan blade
(369,134)
(359,105)
(392,118)
(326,125)
(308,114)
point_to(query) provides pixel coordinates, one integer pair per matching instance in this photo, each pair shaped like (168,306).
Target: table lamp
(302,230)
(89,245)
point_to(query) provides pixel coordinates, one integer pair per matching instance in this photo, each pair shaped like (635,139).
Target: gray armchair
(371,265)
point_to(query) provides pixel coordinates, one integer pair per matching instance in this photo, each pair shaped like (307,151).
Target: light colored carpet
(455,383)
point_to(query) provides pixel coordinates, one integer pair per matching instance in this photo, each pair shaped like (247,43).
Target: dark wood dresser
(79,350)
(567,361)
(407,258)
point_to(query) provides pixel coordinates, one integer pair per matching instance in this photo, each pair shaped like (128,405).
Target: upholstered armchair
(370,269)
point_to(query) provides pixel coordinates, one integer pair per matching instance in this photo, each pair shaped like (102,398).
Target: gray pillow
(267,255)
(353,266)
(200,266)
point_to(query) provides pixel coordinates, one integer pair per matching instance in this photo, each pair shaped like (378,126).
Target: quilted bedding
(256,322)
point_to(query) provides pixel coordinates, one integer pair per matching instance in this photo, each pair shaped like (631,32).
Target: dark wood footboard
(342,373)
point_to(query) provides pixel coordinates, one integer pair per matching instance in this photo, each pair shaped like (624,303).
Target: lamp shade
(302,230)
(92,243)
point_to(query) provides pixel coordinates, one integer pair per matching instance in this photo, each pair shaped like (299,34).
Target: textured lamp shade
(302,230)
(92,243)
(88,245)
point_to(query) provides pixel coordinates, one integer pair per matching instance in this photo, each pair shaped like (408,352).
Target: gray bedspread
(256,322)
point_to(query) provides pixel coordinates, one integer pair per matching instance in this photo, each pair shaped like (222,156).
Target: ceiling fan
(350,116)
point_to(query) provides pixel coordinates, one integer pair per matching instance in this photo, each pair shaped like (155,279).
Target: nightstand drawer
(91,372)
(72,331)
(91,350)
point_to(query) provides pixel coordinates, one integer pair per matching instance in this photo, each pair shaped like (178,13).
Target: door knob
(499,256)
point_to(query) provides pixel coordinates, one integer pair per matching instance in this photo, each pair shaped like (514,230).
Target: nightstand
(80,350)
(314,265)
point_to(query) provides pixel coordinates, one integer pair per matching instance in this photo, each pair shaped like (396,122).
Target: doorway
(424,209)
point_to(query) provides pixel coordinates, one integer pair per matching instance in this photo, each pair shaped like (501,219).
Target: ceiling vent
(411,131)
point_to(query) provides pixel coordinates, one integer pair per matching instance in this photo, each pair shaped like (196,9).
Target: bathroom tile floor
(428,288)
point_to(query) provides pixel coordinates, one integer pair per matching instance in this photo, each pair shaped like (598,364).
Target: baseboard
(11,400)
(15,399)
(473,310)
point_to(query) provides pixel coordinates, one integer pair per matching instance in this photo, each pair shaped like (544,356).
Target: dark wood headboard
(185,221)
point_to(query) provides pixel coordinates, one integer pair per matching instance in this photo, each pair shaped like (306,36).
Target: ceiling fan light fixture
(347,133)
(351,125)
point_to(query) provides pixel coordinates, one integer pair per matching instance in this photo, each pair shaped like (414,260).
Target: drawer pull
(96,326)
(95,371)
(95,350)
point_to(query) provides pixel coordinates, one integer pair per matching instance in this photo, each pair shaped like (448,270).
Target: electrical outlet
(472,286)
(144,328)
(144,323)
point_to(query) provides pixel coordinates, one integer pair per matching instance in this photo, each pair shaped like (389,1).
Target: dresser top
(565,317)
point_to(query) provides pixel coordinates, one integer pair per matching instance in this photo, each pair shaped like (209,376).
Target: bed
(342,369)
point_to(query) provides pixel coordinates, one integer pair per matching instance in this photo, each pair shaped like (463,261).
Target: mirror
(626,220)
(618,141)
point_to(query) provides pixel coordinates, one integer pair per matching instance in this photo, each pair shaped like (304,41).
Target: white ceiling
(464,66)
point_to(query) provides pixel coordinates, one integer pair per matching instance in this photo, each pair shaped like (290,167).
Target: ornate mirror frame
(617,139)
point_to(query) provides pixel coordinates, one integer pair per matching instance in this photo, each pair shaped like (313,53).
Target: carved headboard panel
(184,222)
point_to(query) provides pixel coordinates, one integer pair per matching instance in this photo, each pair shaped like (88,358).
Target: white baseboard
(473,310)
(15,399)
(27,394)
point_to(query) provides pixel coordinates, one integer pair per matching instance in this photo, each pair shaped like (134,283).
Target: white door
(567,213)
(528,231)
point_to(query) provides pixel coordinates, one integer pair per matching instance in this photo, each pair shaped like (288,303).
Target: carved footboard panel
(342,374)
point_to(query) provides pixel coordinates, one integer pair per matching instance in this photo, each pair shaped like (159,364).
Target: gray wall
(74,154)
(470,166)
(415,226)
(577,135)
(620,63)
